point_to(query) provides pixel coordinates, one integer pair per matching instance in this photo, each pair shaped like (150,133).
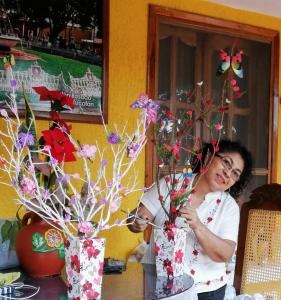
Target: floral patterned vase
(170,251)
(84,268)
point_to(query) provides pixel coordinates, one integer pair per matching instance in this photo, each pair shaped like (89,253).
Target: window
(184,50)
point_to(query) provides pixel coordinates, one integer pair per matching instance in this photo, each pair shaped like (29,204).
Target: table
(139,281)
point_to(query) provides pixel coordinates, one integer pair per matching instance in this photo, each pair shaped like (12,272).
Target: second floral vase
(170,251)
(84,268)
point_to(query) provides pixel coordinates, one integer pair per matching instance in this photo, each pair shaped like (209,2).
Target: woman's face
(224,170)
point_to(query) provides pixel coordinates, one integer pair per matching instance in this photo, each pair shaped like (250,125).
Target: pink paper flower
(85,227)
(87,151)
(28,186)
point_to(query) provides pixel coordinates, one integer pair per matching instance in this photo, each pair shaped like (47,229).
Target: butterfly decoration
(229,60)
(166,125)
(9,61)
(151,107)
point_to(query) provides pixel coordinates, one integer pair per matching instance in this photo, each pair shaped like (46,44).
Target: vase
(169,251)
(84,268)
(39,247)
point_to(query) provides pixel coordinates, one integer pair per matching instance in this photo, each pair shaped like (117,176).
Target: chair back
(258,264)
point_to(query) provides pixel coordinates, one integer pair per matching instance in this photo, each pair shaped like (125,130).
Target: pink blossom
(3,113)
(114,206)
(88,151)
(218,126)
(85,227)
(28,186)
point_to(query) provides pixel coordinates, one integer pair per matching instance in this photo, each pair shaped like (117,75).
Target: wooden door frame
(159,14)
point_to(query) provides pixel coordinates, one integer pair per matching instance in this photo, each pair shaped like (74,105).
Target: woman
(211,219)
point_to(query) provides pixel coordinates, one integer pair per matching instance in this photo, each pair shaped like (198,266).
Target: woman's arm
(136,225)
(218,249)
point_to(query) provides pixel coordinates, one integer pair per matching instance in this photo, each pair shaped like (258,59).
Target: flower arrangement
(34,167)
(179,152)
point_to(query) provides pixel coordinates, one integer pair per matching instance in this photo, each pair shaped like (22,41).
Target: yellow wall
(127,78)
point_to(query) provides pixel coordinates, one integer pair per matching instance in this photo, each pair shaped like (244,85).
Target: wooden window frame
(158,14)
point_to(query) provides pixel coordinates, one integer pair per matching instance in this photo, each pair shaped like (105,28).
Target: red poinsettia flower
(60,146)
(56,118)
(47,95)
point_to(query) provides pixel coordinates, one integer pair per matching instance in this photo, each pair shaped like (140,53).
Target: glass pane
(187,139)
(256,181)
(164,69)
(185,71)
(252,136)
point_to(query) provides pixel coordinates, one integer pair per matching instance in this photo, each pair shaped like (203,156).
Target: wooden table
(137,282)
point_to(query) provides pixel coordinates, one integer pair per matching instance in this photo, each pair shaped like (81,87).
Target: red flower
(199,155)
(223,108)
(167,179)
(55,117)
(195,252)
(92,252)
(61,146)
(66,243)
(202,170)
(167,262)
(218,201)
(208,282)
(209,219)
(192,272)
(159,161)
(160,198)
(169,270)
(87,243)
(47,95)
(169,115)
(170,234)
(86,286)
(179,256)
(75,263)
(214,142)
(156,249)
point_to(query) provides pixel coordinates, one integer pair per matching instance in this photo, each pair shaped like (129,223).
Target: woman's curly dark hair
(227,146)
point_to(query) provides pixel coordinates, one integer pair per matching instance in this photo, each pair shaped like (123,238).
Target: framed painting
(61,45)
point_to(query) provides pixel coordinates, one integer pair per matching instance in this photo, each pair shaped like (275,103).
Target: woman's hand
(191,217)
(140,219)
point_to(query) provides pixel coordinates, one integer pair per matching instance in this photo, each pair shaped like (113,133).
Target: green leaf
(6,230)
(14,230)
(61,252)
(38,240)
(52,179)
(30,121)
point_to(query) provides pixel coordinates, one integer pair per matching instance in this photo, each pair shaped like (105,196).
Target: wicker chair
(258,265)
